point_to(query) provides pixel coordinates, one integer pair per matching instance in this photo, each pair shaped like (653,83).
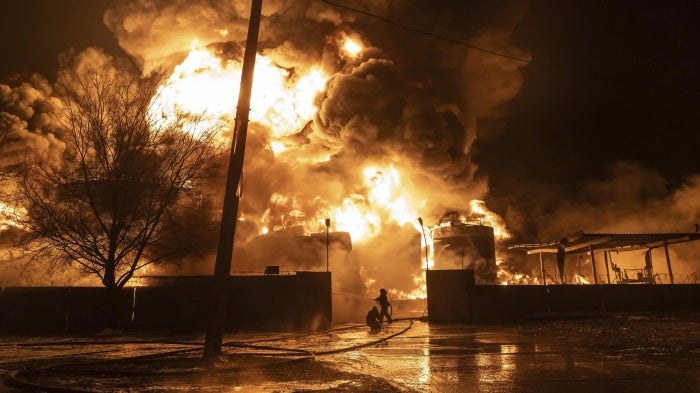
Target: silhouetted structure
(288,302)
(454,298)
(588,244)
(460,245)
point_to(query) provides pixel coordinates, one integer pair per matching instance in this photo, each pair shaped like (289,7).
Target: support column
(668,262)
(601,291)
(607,267)
(595,271)
(544,278)
(649,267)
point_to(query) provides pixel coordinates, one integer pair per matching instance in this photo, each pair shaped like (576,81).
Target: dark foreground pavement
(603,353)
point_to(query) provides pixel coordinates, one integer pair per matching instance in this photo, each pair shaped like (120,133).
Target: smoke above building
(369,121)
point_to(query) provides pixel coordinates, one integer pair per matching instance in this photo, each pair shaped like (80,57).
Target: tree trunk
(108,279)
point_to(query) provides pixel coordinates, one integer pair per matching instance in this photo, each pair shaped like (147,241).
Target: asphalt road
(603,353)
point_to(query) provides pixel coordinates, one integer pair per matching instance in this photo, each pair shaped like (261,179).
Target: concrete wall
(452,297)
(58,309)
(300,302)
(448,295)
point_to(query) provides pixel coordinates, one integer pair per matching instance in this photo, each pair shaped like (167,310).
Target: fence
(299,302)
(453,297)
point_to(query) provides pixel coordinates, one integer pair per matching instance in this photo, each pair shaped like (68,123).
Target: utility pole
(219,299)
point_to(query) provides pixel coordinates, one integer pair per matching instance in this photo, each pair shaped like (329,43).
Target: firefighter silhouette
(372,320)
(385,306)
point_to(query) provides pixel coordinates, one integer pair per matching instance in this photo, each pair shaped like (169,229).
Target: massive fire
(379,197)
(283,103)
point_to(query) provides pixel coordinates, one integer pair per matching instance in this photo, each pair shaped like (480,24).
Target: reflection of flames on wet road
(427,357)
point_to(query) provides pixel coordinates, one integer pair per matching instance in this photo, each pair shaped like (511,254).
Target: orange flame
(480,212)
(383,201)
(352,47)
(10,216)
(206,84)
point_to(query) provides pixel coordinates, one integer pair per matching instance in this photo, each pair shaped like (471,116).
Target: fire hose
(26,376)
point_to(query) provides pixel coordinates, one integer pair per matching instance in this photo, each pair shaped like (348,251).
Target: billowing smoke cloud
(27,113)
(155,31)
(409,101)
(630,199)
(29,131)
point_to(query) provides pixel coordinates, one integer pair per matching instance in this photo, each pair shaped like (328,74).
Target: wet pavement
(629,353)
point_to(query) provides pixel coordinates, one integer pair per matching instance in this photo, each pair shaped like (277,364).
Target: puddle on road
(424,358)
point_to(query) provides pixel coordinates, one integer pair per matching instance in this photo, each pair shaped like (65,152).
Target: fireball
(204,84)
(383,200)
(351,47)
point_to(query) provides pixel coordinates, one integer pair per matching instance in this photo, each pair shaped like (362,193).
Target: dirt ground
(672,336)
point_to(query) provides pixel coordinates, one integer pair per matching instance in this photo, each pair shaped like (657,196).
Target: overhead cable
(426,33)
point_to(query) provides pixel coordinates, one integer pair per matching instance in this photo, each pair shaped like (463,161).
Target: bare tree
(125,173)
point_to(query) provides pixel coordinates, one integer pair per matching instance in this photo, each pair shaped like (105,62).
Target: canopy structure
(582,242)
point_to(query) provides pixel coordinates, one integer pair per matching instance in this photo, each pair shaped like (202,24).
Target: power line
(608,78)
(426,33)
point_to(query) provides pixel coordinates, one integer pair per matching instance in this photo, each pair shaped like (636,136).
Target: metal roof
(582,242)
